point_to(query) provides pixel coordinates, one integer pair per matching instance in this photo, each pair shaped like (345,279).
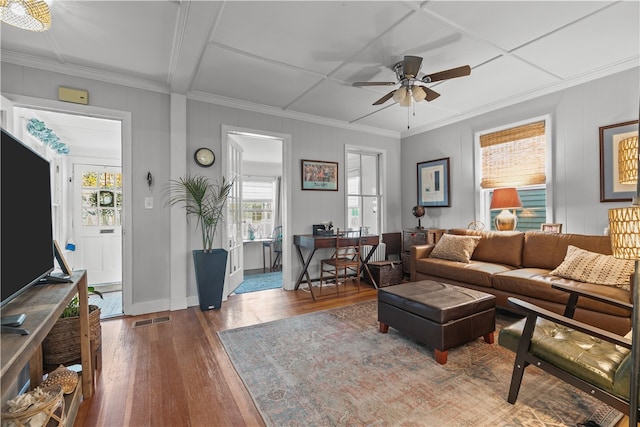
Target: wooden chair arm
(533,310)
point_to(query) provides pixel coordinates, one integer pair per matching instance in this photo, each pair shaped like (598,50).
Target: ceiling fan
(411,84)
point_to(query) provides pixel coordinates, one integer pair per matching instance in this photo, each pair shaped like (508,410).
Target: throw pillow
(455,248)
(592,267)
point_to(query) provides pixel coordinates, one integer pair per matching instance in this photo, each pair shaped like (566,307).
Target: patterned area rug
(260,282)
(334,368)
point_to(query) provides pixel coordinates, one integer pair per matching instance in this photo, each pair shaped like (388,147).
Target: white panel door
(234,218)
(97,222)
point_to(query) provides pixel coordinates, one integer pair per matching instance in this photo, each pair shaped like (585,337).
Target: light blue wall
(576,115)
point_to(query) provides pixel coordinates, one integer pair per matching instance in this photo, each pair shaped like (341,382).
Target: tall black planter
(210,272)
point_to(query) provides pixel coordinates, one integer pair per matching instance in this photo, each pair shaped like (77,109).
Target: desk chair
(275,247)
(345,258)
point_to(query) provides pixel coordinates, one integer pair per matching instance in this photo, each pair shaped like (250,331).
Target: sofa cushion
(536,283)
(455,248)
(585,266)
(547,250)
(475,272)
(501,247)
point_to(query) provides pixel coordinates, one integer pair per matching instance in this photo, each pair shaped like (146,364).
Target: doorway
(256,231)
(88,197)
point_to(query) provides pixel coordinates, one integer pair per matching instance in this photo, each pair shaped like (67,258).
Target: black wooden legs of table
(304,272)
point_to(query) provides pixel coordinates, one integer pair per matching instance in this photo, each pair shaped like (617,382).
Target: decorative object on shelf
(551,228)
(38,129)
(42,406)
(204,157)
(32,15)
(504,199)
(616,177)
(319,175)
(418,211)
(433,183)
(205,199)
(65,378)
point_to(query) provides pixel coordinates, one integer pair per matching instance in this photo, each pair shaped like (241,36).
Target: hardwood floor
(177,373)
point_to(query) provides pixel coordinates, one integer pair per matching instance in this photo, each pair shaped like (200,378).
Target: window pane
(369,174)
(370,214)
(533,212)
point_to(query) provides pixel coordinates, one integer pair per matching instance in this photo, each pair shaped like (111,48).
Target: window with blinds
(516,157)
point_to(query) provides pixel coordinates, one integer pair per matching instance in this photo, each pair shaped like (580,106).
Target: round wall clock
(204,157)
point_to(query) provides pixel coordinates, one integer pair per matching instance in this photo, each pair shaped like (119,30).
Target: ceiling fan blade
(374,83)
(384,98)
(431,94)
(465,70)
(411,66)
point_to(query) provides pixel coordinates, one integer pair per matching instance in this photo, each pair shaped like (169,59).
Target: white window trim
(483,196)
(382,173)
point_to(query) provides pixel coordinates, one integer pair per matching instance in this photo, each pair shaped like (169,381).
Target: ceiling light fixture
(32,15)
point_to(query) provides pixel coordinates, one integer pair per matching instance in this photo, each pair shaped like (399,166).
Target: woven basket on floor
(48,413)
(62,345)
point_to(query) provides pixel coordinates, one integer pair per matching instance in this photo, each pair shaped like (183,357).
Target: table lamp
(624,226)
(505,199)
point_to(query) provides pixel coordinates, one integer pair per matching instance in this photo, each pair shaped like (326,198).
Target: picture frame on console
(433,183)
(319,175)
(611,189)
(551,228)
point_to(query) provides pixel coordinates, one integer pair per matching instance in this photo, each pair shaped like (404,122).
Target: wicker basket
(49,413)
(62,345)
(385,273)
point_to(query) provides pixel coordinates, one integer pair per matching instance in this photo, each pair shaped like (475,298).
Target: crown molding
(83,72)
(265,109)
(618,67)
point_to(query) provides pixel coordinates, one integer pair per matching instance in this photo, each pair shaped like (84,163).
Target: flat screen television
(26,251)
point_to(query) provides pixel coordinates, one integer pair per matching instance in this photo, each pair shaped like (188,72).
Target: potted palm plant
(204,199)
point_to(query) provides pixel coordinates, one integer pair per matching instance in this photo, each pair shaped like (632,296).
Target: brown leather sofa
(517,264)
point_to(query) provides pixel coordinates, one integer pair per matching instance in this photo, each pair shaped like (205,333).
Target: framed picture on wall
(612,189)
(319,175)
(433,183)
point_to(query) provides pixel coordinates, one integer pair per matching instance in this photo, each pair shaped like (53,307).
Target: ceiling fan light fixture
(419,94)
(406,102)
(400,95)
(32,15)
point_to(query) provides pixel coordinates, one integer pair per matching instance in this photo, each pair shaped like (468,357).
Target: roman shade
(514,157)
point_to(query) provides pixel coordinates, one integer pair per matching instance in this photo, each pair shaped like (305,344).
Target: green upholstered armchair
(596,361)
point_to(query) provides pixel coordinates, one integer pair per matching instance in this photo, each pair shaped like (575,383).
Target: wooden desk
(313,243)
(43,305)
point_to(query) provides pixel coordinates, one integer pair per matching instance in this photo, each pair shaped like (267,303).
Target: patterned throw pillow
(455,248)
(591,267)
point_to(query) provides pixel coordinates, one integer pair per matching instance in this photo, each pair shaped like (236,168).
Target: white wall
(576,115)
(150,151)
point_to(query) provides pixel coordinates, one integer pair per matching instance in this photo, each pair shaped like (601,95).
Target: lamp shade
(624,228)
(419,94)
(32,15)
(505,198)
(628,160)
(400,94)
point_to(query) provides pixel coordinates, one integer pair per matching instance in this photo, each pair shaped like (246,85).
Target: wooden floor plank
(178,373)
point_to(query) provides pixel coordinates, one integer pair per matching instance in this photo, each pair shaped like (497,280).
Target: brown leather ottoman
(437,314)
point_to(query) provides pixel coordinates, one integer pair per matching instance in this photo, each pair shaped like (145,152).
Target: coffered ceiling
(300,58)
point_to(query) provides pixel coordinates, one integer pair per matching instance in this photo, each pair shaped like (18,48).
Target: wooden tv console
(43,305)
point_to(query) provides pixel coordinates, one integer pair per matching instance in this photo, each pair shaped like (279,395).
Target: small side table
(417,236)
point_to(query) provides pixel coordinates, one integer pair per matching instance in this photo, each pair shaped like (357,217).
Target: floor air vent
(153,321)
